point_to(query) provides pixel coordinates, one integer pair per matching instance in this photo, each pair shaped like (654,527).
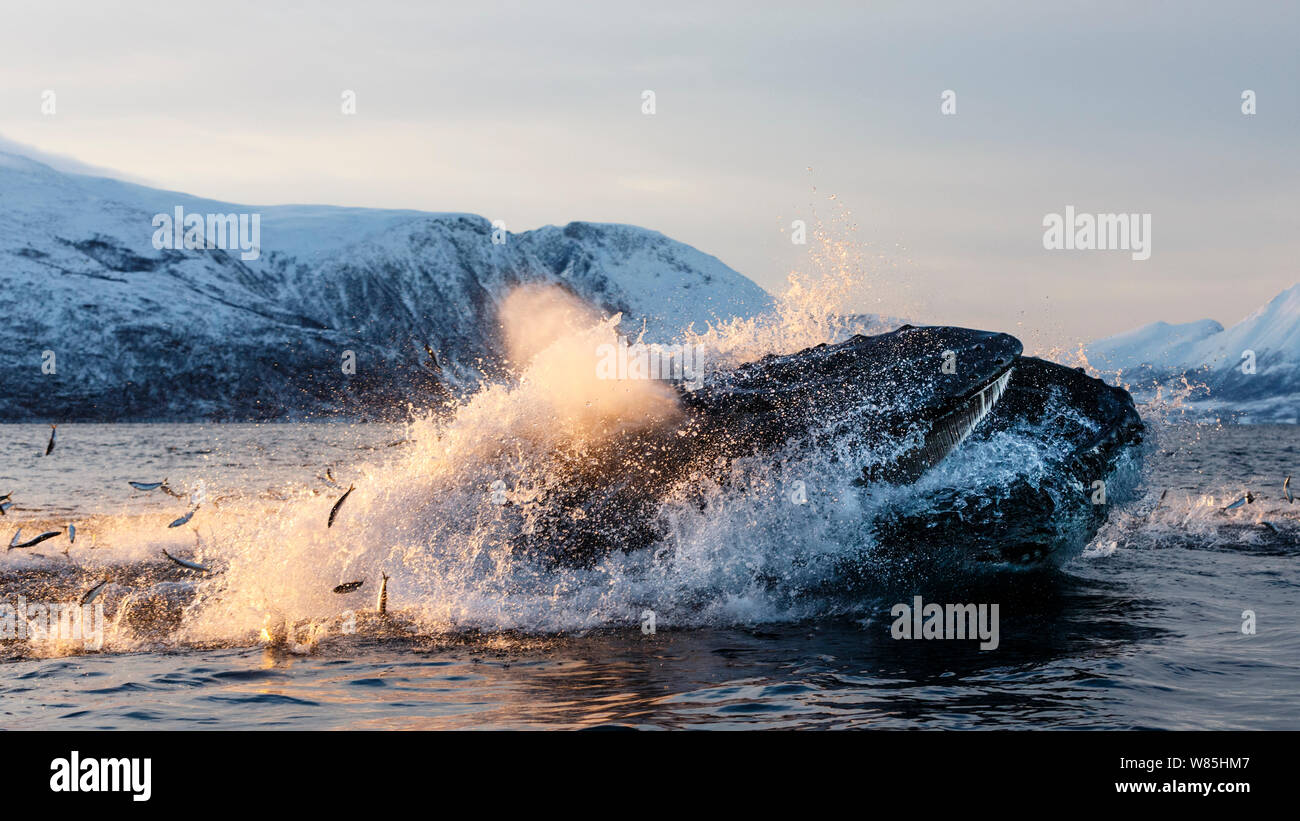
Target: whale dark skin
(899,403)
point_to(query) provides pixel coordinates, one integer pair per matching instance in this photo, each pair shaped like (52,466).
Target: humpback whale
(892,407)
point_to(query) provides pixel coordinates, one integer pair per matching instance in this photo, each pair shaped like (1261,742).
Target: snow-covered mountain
(141,332)
(1250,371)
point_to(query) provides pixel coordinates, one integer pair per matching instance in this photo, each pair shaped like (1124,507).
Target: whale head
(906,398)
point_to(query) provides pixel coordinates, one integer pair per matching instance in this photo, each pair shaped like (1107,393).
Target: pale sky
(532,113)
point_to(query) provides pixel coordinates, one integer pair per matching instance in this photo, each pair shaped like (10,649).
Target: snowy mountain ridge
(1249,372)
(141,332)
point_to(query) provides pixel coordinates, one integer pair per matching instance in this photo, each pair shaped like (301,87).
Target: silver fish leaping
(93,593)
(50,447)
(182,520)
(186,564)
(382,604)
(145,485)
(49,534)
(1286,490)
(334,511)
(348,587)
(72,533)
(1244,500)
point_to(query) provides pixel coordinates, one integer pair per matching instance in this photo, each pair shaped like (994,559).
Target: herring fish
(93,593)
(1286,489)
(182,520)
(334,511)
(146,485)
(49,534)
(50,447)
(186,564)
(1244,500)
(382,604)
(348,587)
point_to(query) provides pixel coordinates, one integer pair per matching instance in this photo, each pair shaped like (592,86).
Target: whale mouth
(948,430)
(988,508)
